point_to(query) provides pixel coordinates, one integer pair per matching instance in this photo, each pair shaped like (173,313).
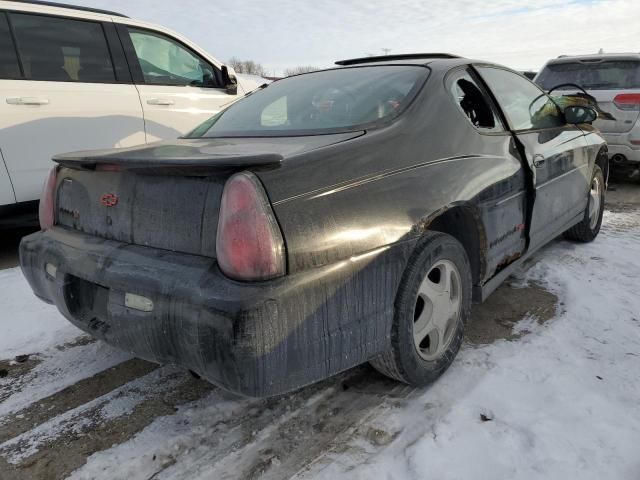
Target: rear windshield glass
(320,102)
(610,75)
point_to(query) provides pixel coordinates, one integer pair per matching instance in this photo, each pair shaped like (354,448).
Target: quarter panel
(384,187)
(352,220)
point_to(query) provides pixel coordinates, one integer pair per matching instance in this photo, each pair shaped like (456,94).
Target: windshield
(610,75)
(320,102)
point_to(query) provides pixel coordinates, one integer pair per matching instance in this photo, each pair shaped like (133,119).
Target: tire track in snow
(55,448)
(72,397)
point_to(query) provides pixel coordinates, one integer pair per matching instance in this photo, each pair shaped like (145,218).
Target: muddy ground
(317,426)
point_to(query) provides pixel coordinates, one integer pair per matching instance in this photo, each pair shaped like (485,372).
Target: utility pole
(386,50)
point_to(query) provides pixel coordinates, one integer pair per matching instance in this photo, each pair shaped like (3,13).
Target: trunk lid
(165,195)
(169,212)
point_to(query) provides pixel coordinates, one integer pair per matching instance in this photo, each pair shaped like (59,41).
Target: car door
(503,206)
(555,152)
(179,89)
(73,94)
(9,71)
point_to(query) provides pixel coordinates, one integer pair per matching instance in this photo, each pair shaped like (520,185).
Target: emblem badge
(109,199)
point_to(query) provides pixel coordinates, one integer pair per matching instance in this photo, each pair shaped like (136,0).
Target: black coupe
(326,220)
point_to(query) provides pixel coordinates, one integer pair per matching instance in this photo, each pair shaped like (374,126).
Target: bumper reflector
(138,302)
(51,270)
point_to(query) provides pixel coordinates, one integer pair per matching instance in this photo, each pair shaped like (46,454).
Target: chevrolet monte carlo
(328,219)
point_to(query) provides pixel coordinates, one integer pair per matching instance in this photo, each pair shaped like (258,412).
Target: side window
(166,62)
(473,102)
(9,66)
(523,103)
(62,49)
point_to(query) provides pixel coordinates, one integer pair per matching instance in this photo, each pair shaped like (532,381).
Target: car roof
(67,7)
(593,58)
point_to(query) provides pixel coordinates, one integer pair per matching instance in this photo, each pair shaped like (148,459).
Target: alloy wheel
(594,202)
(437,310)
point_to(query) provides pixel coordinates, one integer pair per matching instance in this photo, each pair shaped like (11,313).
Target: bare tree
(298,70)
(247,66)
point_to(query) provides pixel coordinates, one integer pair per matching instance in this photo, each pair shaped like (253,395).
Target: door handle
(160,101)
(538,160)
(27,101)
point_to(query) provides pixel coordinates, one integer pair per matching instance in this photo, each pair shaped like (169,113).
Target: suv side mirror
(579,114)
(230,80)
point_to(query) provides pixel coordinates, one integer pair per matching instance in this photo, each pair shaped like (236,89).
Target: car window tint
(61,49)
(612,75)
(166,62)
(523,103)
(473,102)
(9,67)
(339,99)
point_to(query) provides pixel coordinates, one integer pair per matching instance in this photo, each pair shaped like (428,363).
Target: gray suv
(614,80)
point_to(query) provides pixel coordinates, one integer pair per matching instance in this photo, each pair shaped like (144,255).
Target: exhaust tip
(619,158)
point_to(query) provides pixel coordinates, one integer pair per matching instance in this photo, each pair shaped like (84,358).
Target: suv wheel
(432,307)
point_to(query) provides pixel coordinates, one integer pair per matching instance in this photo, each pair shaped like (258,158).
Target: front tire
(431,309)
(587,230)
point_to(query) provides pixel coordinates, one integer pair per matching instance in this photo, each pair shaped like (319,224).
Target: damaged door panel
(555,152)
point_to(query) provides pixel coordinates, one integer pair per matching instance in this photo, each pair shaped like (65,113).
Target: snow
(561,401)
(28,325)
(116,403)
(251,82)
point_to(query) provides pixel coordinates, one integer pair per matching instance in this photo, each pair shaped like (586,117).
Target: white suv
(614,80)
(74,78)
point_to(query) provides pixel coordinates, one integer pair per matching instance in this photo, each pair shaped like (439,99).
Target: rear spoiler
(168,159)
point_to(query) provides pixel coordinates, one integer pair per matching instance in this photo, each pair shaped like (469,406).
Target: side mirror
(578,114)
(230,80)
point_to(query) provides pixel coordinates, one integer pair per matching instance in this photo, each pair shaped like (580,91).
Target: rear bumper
(255,339)
(620,144)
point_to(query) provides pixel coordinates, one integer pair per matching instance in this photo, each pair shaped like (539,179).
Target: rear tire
(431,309)
(587,230)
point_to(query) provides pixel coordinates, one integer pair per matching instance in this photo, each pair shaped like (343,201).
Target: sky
(281,34)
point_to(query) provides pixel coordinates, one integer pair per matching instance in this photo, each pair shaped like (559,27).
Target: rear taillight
(46,211)
(249,244)
(627,101)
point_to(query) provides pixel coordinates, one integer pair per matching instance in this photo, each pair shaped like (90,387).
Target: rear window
(609,75)
(320,102)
